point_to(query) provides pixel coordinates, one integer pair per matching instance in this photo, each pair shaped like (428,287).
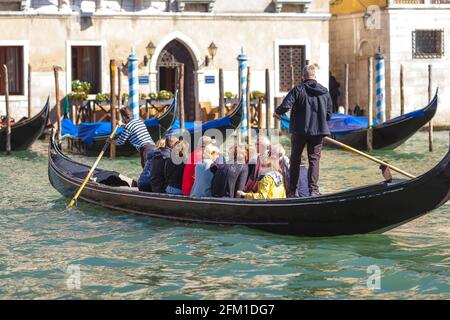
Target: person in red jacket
(189,168)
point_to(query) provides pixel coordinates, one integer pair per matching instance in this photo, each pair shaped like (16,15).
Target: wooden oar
(365,155)
(91,172)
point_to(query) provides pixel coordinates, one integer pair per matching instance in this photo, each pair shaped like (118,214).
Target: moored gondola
(26,131)
(392,133)
(386,135)
(156,127)
(373,208)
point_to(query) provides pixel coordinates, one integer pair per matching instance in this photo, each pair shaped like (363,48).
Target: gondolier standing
(137,134)
(311,107)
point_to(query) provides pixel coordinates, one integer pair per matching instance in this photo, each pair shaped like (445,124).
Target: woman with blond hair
(203,173)
(277,150)
(270,181)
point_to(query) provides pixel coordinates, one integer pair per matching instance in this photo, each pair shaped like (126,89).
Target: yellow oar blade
(91,171)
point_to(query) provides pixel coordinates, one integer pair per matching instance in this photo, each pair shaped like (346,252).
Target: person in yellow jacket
(270,182)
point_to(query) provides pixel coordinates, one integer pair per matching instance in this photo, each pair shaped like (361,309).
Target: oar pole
(91,172)
(365,155)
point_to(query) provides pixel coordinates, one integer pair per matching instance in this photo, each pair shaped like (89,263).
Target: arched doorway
(171,56)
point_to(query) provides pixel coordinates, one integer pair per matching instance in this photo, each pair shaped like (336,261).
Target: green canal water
(132,257)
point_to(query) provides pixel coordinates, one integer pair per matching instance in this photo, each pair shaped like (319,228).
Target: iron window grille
(427,44)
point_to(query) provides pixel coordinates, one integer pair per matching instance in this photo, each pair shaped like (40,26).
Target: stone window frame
(25,44)
(277,43)
(181,4)
(279,4)
(435,55)
(103,61)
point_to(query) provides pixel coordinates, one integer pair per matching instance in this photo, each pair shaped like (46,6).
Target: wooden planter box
(161,102)
(78,103)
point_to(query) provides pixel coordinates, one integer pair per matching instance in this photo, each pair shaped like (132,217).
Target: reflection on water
(126,256)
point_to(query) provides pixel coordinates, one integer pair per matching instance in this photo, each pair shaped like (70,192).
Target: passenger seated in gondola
(144,179)
(174,168)
(229,178)
(262,147)
(270,182)
(278,151)
(203,173)
(157,178)
(189,169)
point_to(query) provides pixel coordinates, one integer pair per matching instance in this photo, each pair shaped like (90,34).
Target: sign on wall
(143,80)
(210,79)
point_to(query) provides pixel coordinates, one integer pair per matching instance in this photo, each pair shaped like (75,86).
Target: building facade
(411,33)
(82,37)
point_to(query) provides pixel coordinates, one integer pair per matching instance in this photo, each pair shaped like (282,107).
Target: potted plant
(165,97)
(229,97)
(142,99)
(255,96)
(80,91)
(102,98)
(153,96)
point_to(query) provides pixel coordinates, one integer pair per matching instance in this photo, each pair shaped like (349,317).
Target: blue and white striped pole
(380,88)
(133,82)
(242,58)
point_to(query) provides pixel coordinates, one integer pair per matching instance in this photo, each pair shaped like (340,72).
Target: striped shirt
(136,133)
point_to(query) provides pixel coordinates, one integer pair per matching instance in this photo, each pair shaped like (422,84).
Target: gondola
(389,134)
(26,131)
(157,129)
(394,132)
(373,208)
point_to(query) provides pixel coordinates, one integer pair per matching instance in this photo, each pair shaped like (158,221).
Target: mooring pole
(181,95)
(430,96)
(221,94)
(260,102)
(133,84)
(370,106)
(380,88)
(29,91)
(243,85)
(8,116)
(119,90)
(112,110)
(249,108)
(346,75)
(56,70)
(268,102)
(402,92)
(240,84)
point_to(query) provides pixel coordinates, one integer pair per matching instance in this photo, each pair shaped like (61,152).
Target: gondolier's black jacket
(311,107)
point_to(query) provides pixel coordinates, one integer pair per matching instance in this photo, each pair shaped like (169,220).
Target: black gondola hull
(390,134)
(26,132)
(374,208)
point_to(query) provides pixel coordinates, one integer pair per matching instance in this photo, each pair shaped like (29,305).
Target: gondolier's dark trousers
(314,147)
(143,151)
